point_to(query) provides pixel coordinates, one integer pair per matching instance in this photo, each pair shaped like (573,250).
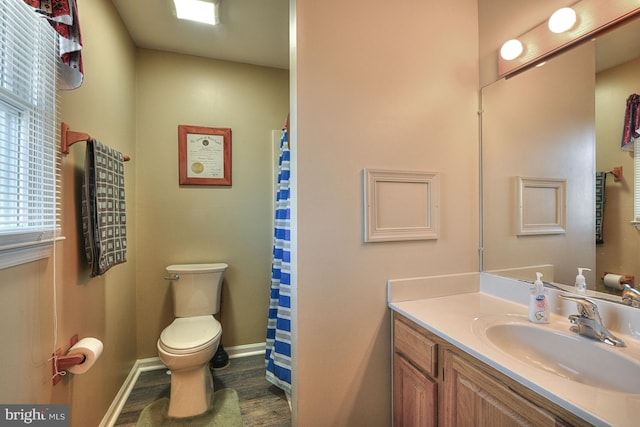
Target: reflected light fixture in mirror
(562,20)
(511,49)
(593,17)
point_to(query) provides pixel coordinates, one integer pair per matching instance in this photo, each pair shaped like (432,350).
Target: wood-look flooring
(261,403)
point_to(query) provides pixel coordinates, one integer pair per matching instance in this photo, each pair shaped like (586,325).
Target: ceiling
(250,31)
(257,32)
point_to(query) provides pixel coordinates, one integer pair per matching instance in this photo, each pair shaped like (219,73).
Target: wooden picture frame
(204,155)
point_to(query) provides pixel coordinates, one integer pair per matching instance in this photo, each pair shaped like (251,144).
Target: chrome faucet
(631,296)
(588,322)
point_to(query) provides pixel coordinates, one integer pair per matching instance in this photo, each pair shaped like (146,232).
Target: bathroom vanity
(464,353)
(436,383)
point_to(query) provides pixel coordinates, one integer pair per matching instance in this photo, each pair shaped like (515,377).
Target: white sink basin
(567,355)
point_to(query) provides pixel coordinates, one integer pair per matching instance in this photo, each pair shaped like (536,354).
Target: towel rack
(617,173)
(70,137)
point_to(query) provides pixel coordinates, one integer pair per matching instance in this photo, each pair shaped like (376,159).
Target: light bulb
(511,49)
(562,20)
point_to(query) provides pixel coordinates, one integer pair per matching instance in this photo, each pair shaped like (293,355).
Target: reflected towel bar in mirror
(617,173)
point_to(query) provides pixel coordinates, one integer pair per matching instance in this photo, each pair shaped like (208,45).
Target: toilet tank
(196,288)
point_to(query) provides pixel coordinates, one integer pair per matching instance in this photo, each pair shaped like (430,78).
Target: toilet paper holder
(624,279)
(61,362)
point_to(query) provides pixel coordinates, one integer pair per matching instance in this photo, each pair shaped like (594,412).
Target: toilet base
(191,392)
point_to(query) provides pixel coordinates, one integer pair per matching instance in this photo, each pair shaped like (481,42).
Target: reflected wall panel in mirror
(540,124)
(548,97)
(619,251)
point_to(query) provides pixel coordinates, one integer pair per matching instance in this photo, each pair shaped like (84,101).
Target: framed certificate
(204,155)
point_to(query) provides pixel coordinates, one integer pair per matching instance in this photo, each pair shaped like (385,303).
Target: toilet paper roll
(91,348)
(613,281)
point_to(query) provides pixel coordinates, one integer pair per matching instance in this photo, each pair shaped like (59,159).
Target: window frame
(29,158)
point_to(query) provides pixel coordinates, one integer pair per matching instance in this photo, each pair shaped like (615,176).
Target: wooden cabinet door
(475,399)
(415,396)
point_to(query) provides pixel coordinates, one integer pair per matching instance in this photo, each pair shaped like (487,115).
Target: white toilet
(191,340)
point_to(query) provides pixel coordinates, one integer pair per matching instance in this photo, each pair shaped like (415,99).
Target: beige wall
(102,307)
(192,224)
(378,86)
(133,101)
(619,252)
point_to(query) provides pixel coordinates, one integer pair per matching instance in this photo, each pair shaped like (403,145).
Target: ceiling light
(197,10)
(562,20)
(511,49)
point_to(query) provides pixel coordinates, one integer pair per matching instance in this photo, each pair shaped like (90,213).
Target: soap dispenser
(581,283)
(538,302)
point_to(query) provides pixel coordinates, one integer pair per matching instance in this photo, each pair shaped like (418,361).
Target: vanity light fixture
(562,20)
(596,17)
(511,49)
(198,10)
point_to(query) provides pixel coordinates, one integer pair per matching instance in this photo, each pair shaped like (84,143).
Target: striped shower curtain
(278,354)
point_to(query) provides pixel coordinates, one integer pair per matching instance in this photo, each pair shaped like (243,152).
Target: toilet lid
(190,333)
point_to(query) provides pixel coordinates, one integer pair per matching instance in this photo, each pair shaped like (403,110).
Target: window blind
(29,158)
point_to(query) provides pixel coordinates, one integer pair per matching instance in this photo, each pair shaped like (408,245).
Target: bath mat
(225,412)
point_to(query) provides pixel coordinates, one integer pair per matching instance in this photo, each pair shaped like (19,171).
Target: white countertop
(461,318)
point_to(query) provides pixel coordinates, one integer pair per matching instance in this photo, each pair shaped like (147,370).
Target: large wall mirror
(559,122)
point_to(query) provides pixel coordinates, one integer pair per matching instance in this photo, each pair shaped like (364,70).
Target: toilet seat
(189,334)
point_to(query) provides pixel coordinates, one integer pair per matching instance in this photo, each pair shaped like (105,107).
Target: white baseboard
(120,399)
(246,350)
(152,363)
